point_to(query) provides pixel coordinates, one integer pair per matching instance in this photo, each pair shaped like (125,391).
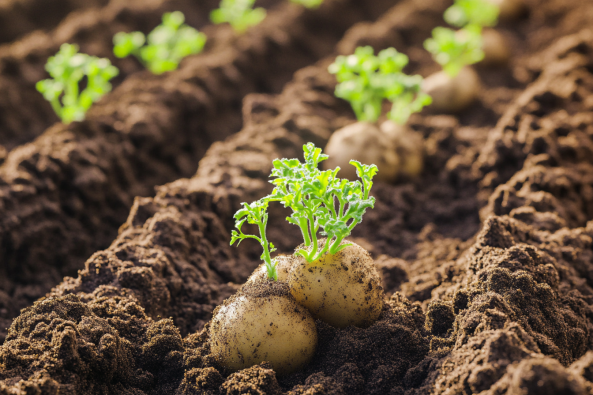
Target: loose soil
(486,258)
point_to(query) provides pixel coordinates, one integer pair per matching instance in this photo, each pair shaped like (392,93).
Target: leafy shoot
(309,3)
(238,13)
(256,214)
(320,201)
(366,80)
(67,69)
(472,12)
(454,50)
(167,44)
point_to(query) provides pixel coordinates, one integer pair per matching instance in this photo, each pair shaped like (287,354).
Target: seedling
(481,13)
(321,201)
(238,13)
(309,3)
(366,80)
(167,44)
(67,69)
(256,213)
(454,50)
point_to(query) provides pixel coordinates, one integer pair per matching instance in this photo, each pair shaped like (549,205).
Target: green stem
(271,269)
(314,245)
(305,230)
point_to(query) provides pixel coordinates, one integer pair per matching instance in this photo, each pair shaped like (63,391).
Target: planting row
(172,259)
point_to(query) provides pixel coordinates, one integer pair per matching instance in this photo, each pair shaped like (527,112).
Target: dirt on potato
(486,257)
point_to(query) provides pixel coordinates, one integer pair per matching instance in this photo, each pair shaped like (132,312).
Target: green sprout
(67,69)
(238,13)
(167,44)
(309,3)
(472,12)
(366,80)
(454,50)
(320,201)
(256,214)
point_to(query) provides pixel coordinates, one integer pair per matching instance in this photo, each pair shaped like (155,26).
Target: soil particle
(257,380)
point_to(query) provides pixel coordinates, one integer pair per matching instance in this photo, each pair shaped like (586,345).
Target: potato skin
(283,266)
(452,95)
(342,289)
(496,49)
(248,329)
(364,142)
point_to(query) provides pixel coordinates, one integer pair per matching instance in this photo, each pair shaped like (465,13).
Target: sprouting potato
(342,289)
(496,50)
(364,142)
(283,266)
(395,149)
(409,146)
(452,95)
(262,322)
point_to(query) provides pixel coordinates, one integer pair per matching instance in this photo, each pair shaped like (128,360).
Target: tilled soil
(64,195)
(486,257)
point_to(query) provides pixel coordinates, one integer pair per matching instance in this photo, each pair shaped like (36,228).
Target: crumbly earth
(487,256)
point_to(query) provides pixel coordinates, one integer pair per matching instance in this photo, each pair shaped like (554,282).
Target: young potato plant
(335,280)
(240,14)
(68,68)
(367,81)
(166,45)
(262,322)
(458,85)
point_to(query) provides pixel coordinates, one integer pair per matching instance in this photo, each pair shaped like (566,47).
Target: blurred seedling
(165,46)
(240,14)
(66,91)
(366,80)
(454,50)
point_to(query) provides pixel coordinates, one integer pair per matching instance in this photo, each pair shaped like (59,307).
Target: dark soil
(64,195)
(487,258)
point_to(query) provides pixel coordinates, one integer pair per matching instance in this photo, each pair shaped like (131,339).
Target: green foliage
(67,69)
(320,201)
(366,80)
(167,44)
(455,49)
(256,214)
(472,12)
(309,3)
(238,13)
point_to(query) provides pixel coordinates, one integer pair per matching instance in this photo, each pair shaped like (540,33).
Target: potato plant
(69,70)
(457,86)
(367,81)
(165,46)
(240,14)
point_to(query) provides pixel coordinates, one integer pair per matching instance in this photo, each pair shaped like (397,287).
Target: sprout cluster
(320,203)
(166,45)
(67,69)
(240,14)
(366,80)
(454,50)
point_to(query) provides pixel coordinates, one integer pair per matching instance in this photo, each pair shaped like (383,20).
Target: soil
(486,258)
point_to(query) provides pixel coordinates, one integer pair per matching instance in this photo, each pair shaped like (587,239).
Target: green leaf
(456,49)
(472,12)
(238,13)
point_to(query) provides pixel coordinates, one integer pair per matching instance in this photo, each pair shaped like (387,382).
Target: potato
(364,142)
(342,289)
(496,49)
(452,95)
(262,322)
(283,265)
(409,146)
